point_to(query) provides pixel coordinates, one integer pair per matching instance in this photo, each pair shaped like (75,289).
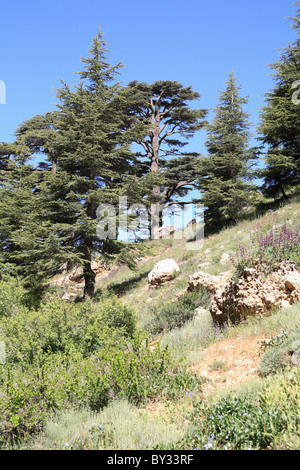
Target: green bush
(280,352)
(56,381)
(79,354)
(12,296)
(58,327)
(119,426)
(274,360)
(30,394)
(282,392)
(117,315)
(146,372)
(174,314)
(237,423)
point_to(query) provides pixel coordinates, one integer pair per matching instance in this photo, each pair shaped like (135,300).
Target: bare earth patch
(229,362)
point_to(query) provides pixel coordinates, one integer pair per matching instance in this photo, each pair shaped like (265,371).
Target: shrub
(118,426)
(268,250)
(218,365)
(280,352)
(117,315)
(236,423)
(174,314)
(12,296)
(30,394)
(60,327)
(146,372)
(55,381)
(273,361)
(282,392)
(79,354)
(194,336)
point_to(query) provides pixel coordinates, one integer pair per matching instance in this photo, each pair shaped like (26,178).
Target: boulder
(75,275)
(164,271)
(225,259)
(292,281)
(253,293)
(211,282)
(164,232)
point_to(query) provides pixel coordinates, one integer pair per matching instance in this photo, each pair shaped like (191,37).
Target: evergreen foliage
(162,122)
(225,173)
(50,212)
(280,121)
(93,153)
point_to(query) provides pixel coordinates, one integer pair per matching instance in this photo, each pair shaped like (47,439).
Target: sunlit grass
(130,428)
(280,320)
(207,259)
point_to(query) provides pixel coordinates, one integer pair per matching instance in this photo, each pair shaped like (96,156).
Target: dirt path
(229,362)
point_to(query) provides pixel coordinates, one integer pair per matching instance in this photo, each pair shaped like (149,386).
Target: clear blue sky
(195,42)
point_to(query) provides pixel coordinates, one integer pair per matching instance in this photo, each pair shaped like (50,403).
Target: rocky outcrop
(253,293)
(71,282)
(75,275)
(164,271)
(211,282)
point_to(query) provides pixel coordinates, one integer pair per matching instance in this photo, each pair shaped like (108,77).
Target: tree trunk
(154,167)
(89,281)
(283,192)
(88,274)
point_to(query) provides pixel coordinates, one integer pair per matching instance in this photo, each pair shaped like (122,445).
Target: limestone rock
(211,282)
(164,232)
(75,275)
(164,271)
(253,293)
(292,281)
(256,294)
(225,259)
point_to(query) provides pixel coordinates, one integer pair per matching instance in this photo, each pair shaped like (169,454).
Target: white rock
(225,259)
(163,271)
(164,232)
(292,281)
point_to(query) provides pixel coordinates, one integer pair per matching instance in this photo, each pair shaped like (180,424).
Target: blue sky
(195,42)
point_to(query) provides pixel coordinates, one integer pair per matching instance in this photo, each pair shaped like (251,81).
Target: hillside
(240,372)
(239,354)
(227,361)
(150,230)
(132,286)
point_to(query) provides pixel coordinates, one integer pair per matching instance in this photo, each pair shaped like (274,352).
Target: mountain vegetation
(117,363)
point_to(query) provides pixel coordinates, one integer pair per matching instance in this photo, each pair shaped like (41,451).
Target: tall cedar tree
(41,136)
(93,154)
(52,216)
(162,122)
(280,121)
(226,171)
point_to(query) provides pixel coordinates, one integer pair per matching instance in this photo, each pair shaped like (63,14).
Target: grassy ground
(229,365)
(132,286)
(227,359)
(124,427)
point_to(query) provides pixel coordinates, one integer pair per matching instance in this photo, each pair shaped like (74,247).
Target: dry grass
(241,356)
(133,286)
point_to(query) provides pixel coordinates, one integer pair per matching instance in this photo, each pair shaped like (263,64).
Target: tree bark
(283,192)
(88,273)
(89,281)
